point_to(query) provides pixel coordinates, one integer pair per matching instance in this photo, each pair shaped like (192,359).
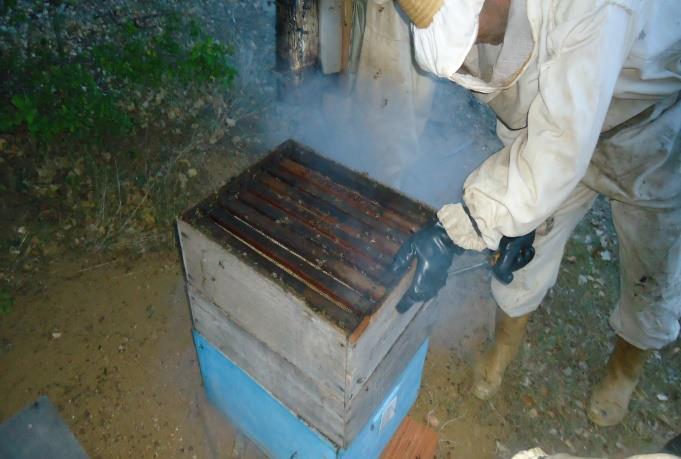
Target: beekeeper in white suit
(587,98)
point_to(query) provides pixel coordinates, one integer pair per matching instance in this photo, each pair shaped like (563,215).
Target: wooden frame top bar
(322,231)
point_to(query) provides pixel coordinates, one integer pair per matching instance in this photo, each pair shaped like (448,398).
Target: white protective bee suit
(587,97)
(392,96)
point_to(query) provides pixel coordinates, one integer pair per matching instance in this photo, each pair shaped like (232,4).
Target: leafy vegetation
(6,301)
(62,83)
(107,113)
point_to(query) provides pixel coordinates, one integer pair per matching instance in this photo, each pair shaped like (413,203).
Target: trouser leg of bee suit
(648,311)
(643,180)
(522,296)
(531,283)
(644,161)
(638,168)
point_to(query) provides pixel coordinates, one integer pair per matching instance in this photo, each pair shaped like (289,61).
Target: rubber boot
(610,398)
(489,370)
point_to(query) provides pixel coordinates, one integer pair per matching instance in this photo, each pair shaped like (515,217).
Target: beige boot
(489,370)
(610,398)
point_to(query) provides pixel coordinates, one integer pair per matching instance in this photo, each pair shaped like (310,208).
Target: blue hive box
(277,430)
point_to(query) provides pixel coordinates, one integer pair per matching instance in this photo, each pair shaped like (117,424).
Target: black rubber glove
(434,250)
(513,253)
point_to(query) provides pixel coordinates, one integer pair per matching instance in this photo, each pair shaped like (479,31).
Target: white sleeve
(520,186)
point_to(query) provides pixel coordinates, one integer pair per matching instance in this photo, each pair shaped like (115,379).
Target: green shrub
(54,94)
(6,301)
(65,100)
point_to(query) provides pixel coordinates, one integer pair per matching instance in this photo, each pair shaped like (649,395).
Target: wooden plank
(346,30)
(332,215)
(346,320)
(419,213)
(341,294)
(413,440)
(368,220)
(272,314)
(366,398)
(273,223)
(332,247)
(317,405)
(360,251)
(361,203)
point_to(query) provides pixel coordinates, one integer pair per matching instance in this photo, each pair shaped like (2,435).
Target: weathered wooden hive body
(288,275)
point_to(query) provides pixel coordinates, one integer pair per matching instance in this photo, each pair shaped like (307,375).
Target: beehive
(288,275)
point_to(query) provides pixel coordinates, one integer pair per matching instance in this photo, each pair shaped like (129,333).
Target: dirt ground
(108,340)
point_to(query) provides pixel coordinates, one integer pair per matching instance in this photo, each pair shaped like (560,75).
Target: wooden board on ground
(412,440)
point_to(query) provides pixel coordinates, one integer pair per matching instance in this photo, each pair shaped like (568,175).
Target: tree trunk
(297,30)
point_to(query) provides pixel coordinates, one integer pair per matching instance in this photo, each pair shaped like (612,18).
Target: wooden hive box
(287,271)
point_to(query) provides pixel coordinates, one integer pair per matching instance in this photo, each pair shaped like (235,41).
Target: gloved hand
(513,253)
(434,250)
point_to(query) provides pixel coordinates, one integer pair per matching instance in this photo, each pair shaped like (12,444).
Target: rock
(503,450)
(432,420)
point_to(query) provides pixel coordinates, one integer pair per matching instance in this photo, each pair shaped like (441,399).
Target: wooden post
(297,31)
(346,29)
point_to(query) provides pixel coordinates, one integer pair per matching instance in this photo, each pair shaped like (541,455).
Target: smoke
(426,161)
(429,164)
(458,135)
(427,158)
(425,155)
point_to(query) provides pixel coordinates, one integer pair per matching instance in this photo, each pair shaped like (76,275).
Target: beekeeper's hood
(444,32)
